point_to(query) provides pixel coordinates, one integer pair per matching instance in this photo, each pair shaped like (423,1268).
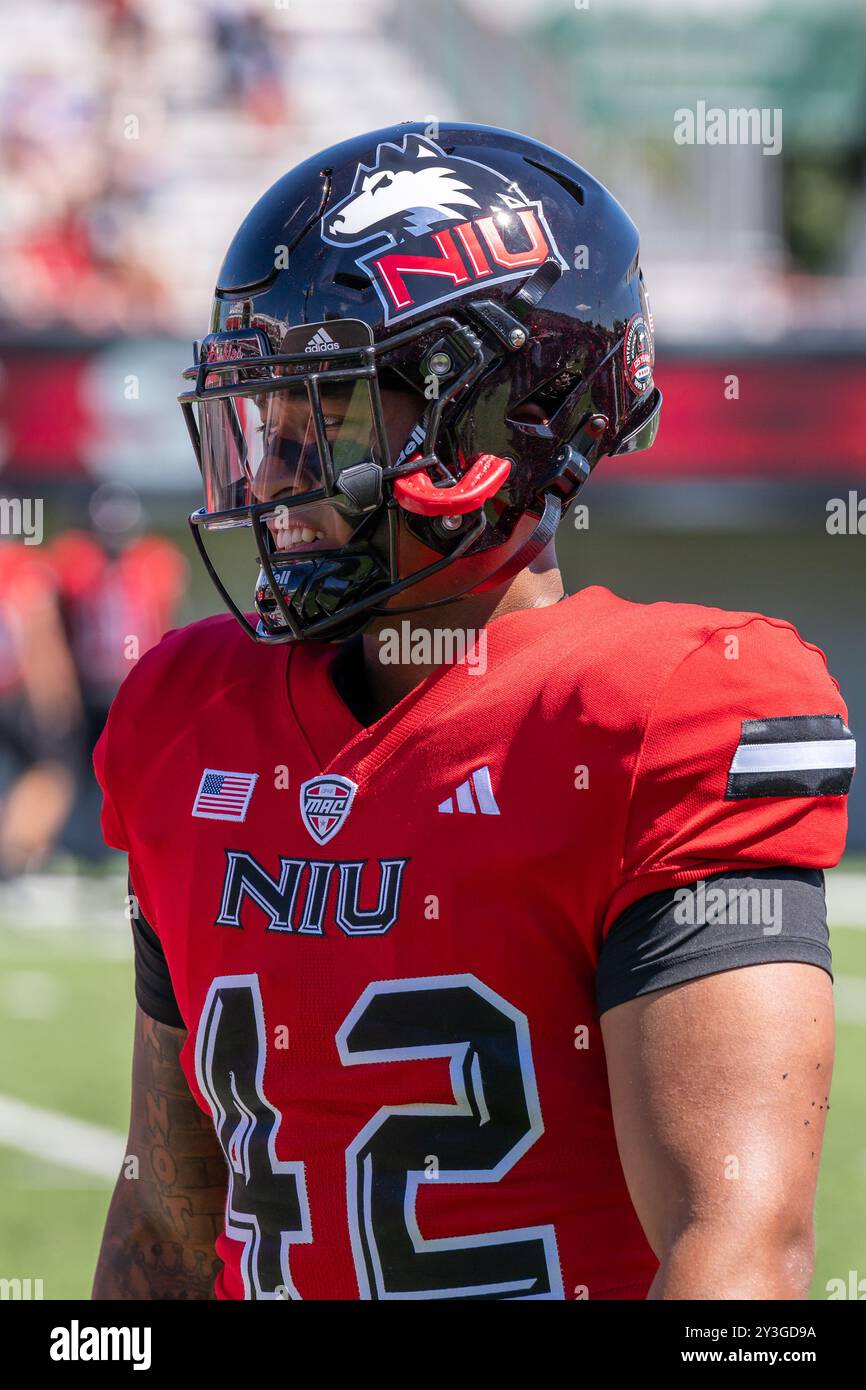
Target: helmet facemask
(303,448)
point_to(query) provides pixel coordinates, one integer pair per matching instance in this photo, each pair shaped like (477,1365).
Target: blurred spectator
(41,716)
(250,66)
(74,619)
(117,599)
(125,24)
(94,141)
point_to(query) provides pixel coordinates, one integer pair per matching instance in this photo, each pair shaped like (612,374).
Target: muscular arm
(719,1090)
(161,1226)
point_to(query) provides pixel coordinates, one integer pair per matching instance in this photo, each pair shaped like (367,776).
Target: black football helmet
(485,282)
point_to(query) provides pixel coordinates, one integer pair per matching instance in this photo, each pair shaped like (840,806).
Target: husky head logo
(410,189)
(454,222)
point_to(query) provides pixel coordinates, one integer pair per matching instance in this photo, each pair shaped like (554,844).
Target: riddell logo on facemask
(229,349)
(454,224)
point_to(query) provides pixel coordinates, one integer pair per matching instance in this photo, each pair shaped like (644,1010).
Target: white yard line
(60,1139)
(66,902)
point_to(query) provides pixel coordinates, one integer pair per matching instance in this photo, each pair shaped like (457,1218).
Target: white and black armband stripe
(803,755)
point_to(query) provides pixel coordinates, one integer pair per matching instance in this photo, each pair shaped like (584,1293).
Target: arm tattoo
(169,1202)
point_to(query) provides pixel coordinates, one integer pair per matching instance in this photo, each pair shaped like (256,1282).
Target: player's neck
(394,649)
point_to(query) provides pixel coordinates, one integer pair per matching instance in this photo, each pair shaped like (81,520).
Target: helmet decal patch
(325,805)
(638,354)
(436,226)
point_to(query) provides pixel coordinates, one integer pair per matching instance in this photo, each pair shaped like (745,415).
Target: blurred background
(134,136)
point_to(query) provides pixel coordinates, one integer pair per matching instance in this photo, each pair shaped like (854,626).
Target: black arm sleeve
(154,992)
(720,923)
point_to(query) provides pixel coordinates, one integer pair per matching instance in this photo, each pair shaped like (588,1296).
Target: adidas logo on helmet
(322,342)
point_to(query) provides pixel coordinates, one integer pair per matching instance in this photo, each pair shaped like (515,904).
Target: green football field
(65,1040)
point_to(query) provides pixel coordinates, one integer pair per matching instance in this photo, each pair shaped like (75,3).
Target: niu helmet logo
(325,804)
(441,226)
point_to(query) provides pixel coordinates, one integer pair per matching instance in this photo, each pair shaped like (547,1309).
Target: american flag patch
(224,795)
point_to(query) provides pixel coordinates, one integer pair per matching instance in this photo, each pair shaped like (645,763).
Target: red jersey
(383,940)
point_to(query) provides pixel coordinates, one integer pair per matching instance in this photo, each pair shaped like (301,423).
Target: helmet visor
(275,445)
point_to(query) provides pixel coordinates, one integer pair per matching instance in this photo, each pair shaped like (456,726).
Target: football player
(480,934)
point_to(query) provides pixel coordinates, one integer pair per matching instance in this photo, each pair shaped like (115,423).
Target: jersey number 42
(495,1118)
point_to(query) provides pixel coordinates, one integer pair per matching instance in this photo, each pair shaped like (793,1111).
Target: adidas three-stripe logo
(806,755)
(322,342)
(479,782)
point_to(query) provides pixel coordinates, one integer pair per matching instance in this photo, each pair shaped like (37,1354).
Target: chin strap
(483,479)
(541,537)
(532,547)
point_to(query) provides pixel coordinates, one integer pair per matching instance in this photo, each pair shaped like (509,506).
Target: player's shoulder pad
(756,689)
(743,757)
(644,658)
